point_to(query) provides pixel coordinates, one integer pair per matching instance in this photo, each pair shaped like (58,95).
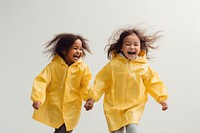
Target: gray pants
(62,129)
(131,128)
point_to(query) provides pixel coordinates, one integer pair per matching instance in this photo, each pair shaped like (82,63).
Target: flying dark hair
(63,42)
(116,40)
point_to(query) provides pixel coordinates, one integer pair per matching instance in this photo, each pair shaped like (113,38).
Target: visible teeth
(131,52)
(77,57)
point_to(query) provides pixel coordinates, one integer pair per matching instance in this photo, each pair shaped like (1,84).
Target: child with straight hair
(127,80)
(59,89)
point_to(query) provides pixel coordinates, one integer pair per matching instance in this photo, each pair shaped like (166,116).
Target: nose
(132,46)
(79,51)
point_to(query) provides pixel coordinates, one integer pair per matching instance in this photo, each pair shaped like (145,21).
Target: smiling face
(75,52)
(131,46)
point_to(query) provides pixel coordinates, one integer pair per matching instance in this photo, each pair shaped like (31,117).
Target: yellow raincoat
(60,88)
(126,85)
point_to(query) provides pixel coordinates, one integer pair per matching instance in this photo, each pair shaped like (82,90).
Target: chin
(132,58)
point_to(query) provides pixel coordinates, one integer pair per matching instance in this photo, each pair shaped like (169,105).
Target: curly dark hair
(63,42)
(116,40)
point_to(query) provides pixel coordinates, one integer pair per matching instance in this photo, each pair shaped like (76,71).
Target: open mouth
(131,52)
(76,56)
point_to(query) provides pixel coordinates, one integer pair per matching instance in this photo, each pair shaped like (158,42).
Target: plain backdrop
(26,25)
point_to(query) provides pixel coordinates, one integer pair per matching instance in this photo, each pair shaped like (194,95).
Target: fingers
(164,106)
(36,105)
(89,104)
(88,108)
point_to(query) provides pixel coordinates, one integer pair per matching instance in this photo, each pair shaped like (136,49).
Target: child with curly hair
(59,89)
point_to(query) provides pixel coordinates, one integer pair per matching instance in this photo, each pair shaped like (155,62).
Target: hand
(36,105)
(164,106)
(89,104)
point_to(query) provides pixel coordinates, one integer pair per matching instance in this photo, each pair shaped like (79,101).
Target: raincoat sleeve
(154,86)
(85,84)
(102,83)
(40,84)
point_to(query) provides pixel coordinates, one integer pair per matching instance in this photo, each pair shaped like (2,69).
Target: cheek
(70,54)
(124,48)
(139,48)
(81,53)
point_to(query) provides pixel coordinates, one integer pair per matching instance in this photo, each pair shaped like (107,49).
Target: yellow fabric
(60,88)
(126,85)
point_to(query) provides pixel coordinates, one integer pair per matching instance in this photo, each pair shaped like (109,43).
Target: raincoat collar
(61,61)
(141,57)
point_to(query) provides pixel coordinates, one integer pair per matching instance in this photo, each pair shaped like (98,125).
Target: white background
(26,25)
